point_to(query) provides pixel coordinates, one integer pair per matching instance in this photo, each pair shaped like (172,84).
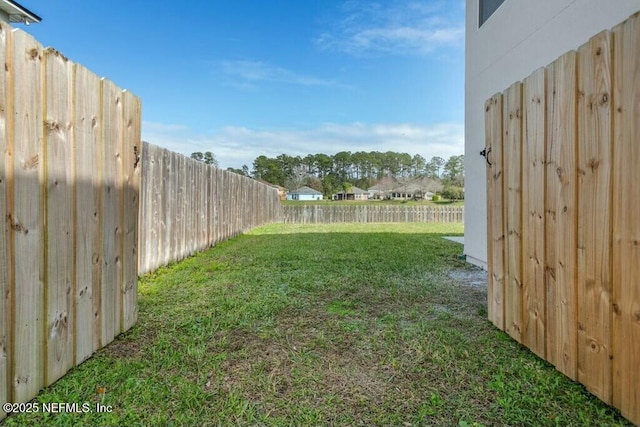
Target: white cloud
(234,146)
(246,74)
(401,27)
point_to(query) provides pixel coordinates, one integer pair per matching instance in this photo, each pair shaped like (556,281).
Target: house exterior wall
(303,197)
(520,37)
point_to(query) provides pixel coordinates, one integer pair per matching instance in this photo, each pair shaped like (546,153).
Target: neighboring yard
(342,324)
(374,202)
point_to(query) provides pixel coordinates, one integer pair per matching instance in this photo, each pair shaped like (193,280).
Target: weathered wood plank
(88,211)
(533,178)
(594,215)
(181,208)
(156,175)
(26,219)
(217,216)
(561,204)
(495,223)
(145,242)
(512,149)
(210,206)
(6,147)
(626,220)
(112,193)
(60,232)
(172,211)
(131,152)
(167,224)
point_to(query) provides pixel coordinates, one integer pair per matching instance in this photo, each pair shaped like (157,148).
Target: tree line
(332,173)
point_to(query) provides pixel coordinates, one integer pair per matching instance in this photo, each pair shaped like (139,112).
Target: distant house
(382,189)
(354,194)
(304,193)
(414,188)
(12,11)
(417,189)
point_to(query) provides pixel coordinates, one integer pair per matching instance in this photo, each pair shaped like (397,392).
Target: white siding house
(12,11)
(506,40)
(304,193)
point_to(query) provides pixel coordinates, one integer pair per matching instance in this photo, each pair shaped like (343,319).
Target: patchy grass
(344,324)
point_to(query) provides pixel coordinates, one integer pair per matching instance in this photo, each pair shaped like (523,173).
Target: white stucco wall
(520,37)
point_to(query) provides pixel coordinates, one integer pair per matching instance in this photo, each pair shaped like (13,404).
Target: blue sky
(244,78)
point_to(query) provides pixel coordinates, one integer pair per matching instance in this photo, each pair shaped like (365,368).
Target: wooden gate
(563,203)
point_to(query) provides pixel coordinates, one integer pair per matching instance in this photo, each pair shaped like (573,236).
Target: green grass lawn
(343,324)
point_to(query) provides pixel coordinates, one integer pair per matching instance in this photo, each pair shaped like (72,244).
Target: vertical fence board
(144,236)
(152,168)
(581,215)
(594,215)
(112,227)
(533,178)
(495,222)
(322,214)
(561,199)
(54,309)
(6,109)
(182,208)
(131,150)
(59,201)
(88,212)
(550,225)
(626,220)
(512,170)
(27,219)
(168,185)
(174,211)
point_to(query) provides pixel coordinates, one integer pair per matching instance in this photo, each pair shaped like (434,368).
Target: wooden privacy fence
(69,196)
(318,214)
(187,206)
(564,214)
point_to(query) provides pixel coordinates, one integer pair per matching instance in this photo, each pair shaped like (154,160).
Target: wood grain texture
(27,219)
(626,220)
(131,151)
(146,206)
(533,179)
(60,233)
(512,170)
(550,225)
(594,215)
(561,203)
(112,193)
(165,208)
(88,177)
(495,211)
(6,263)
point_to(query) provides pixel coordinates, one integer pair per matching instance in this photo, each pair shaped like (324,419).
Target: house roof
(385,184)
(306,190)
(423,184)
(279,187)
(354,190)
(18,13)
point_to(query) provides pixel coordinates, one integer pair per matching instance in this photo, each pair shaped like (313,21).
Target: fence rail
(187,206)
(318,214)
(69,196)
(563,222)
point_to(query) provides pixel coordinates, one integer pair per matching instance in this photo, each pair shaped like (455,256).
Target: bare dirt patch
(474,277)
